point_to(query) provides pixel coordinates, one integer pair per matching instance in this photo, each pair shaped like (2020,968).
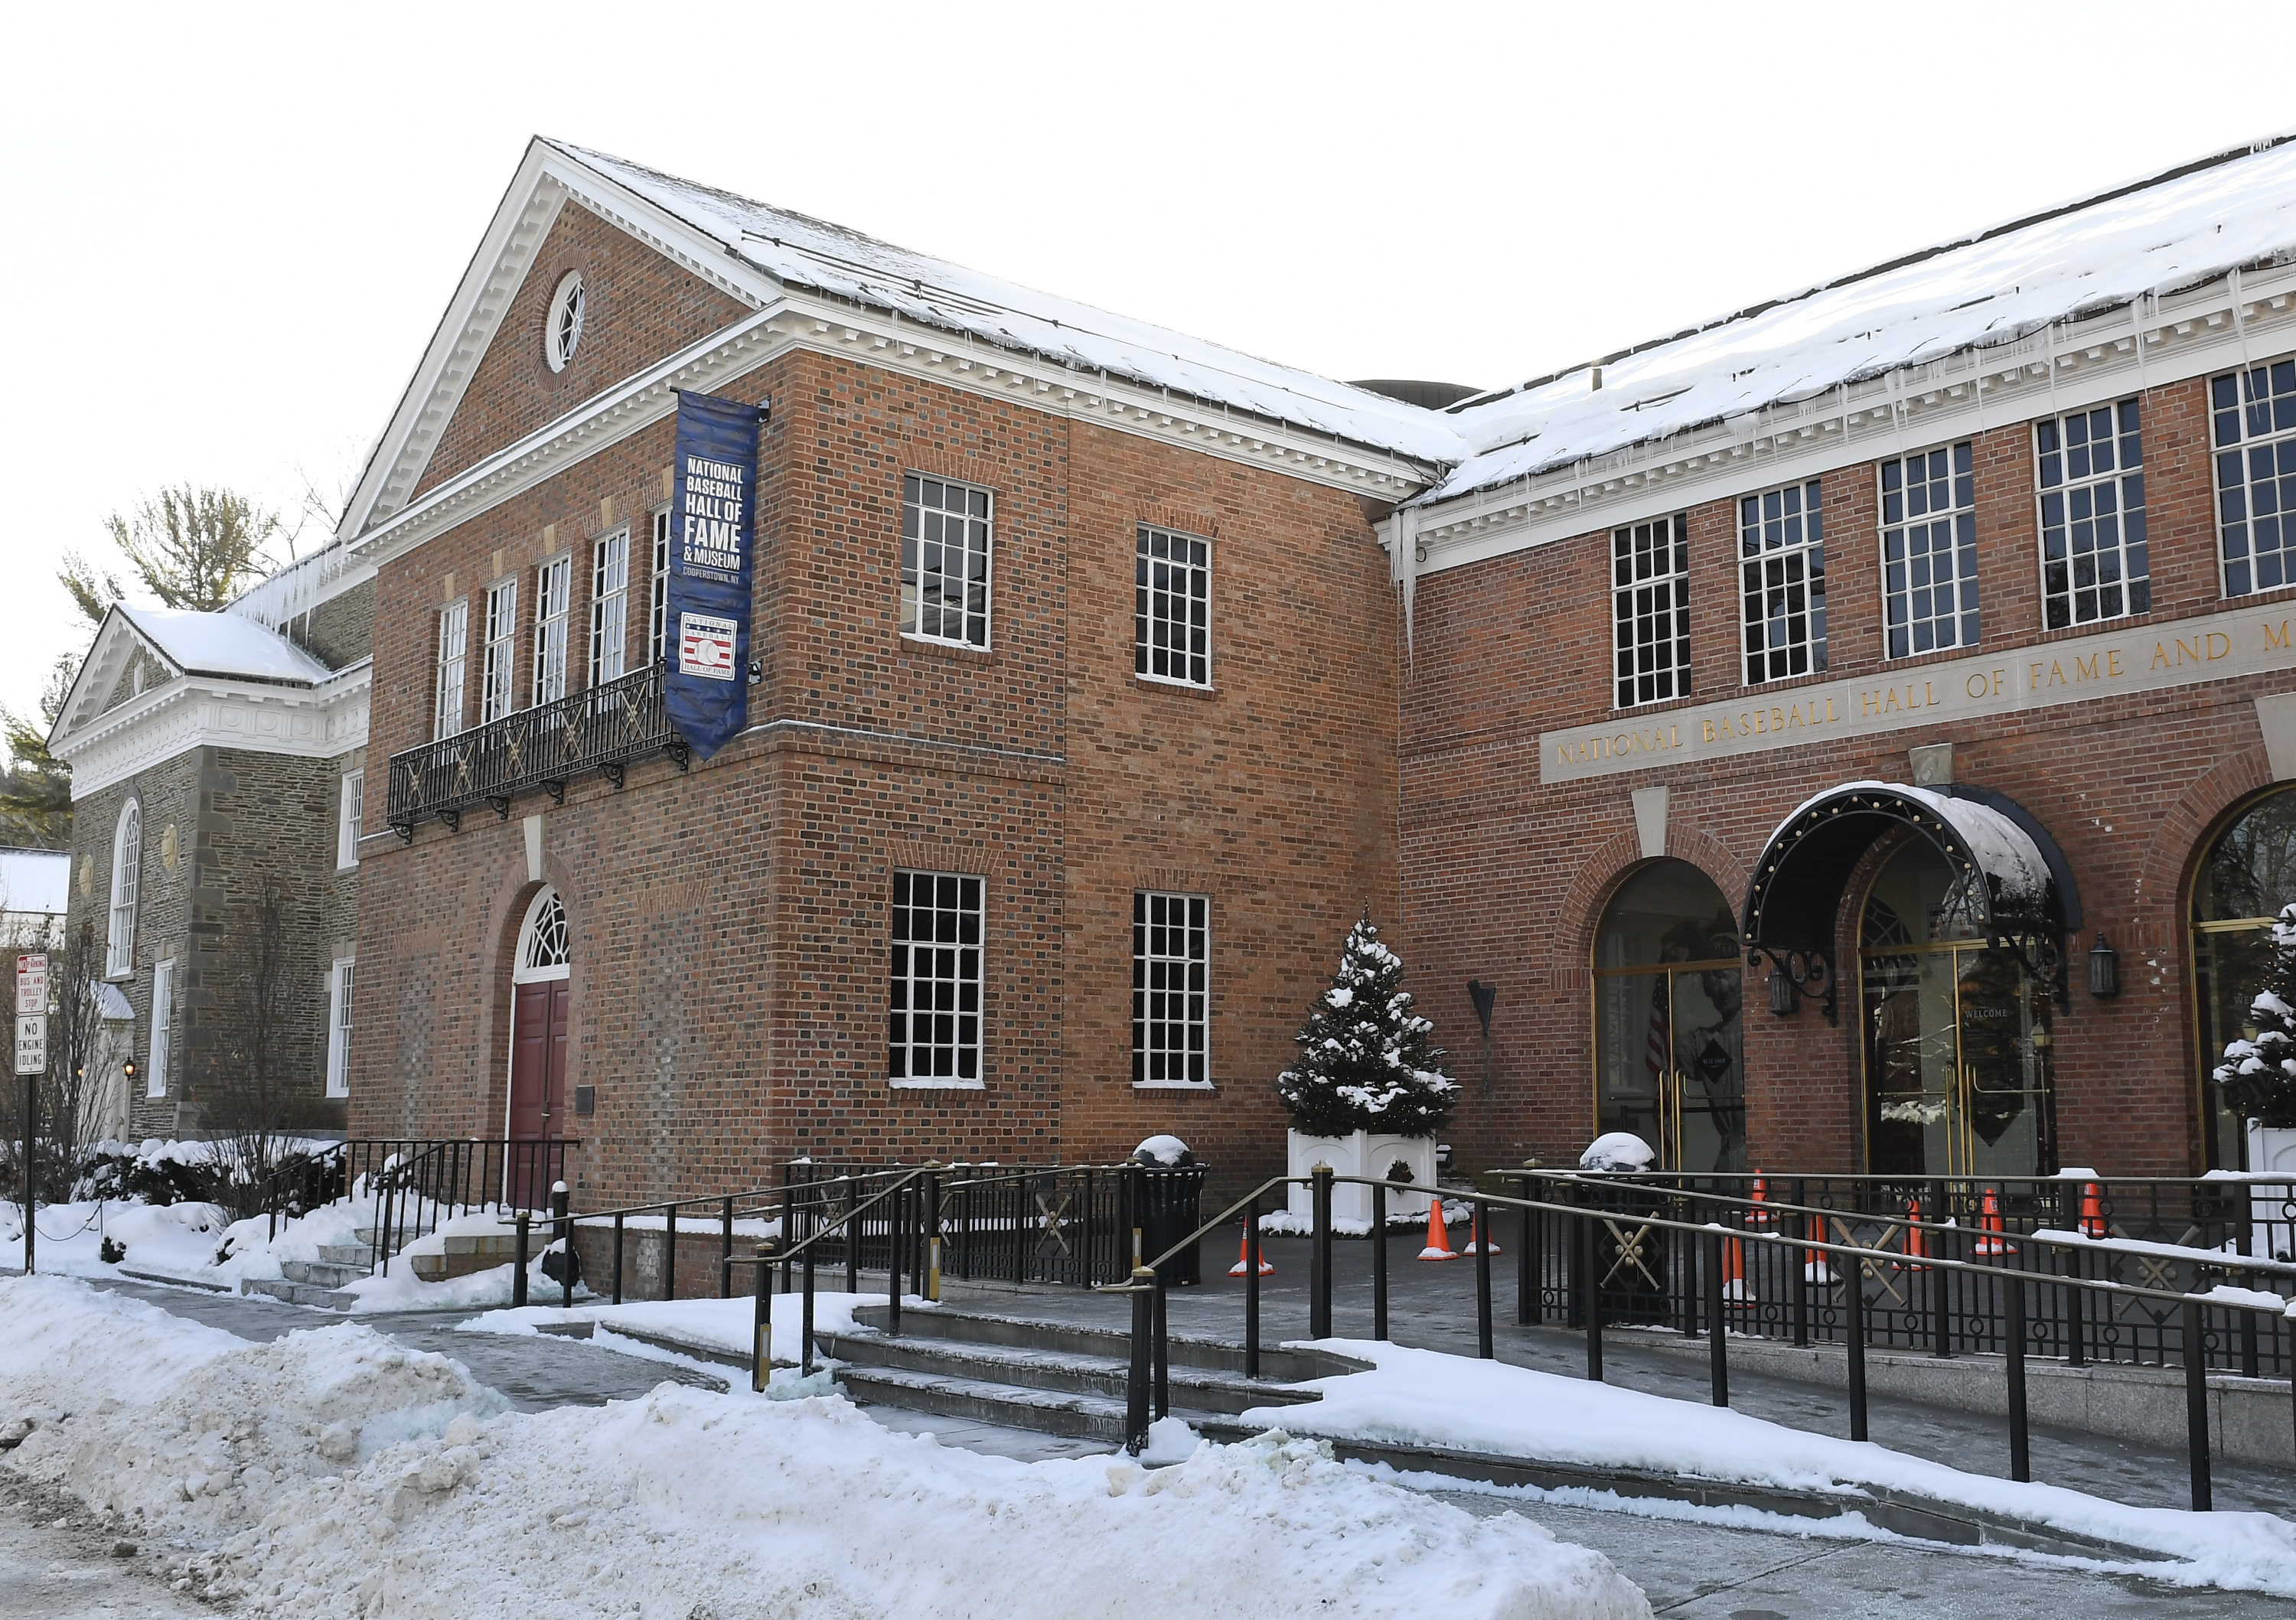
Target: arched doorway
(1959,1030)
(537,1025)
(1667,1005)
(2247,876)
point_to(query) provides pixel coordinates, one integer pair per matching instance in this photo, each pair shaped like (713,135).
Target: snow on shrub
(2259,1077)
(1365,1063)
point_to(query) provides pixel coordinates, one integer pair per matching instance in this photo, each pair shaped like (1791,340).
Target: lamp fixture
(2103,969)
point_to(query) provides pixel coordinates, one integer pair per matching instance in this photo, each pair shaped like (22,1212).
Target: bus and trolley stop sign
(32,1013)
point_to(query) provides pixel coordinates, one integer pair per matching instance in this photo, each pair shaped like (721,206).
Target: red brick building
(1126,671)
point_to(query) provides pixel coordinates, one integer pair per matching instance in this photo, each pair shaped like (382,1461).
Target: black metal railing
(601,729)
(2169,1236)
(424,1184)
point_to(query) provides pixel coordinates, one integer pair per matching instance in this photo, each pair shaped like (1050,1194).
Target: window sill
(1176,1085)
(1186,688)
(960,649)
(938,1086)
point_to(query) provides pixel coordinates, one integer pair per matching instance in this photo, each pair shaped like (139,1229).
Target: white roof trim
(322,722)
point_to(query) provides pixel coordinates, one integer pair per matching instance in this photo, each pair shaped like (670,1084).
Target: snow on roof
(35,880)
(2188,226)
(225,644)
(829,258)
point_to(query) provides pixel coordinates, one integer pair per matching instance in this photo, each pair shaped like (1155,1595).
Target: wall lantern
(128,1069)
(2103,969)
(1484,997)
(1783,994)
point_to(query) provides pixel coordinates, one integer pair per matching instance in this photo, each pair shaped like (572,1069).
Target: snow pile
(177,1239)
(331,1474)
(1620,1151)
(1166,1150)
(719,1325)
(1420,1398)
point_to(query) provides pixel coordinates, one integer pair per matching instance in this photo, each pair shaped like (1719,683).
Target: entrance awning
(2019,884)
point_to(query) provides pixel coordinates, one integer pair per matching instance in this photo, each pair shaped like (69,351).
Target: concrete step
(296,1293)
(360,1255)
(1205,1389)
(1026,1333)
(325,1273)
(1046,1411)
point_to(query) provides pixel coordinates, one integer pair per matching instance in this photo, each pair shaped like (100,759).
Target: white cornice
(2071,364)
(319,721)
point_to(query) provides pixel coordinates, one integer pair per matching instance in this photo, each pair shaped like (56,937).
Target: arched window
(1666,1015)
(2247,876)
(541,941)
(127,867)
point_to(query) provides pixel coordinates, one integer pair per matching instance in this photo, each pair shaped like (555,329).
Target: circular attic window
(563,333)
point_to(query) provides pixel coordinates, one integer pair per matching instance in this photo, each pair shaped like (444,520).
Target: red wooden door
(537,1062)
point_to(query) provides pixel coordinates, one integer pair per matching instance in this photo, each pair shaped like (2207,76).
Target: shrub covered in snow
(1365,1063)
(2259,1077)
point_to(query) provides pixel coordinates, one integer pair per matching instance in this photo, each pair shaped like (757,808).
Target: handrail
(2263,1264)
(1220,1220)
(781,1254)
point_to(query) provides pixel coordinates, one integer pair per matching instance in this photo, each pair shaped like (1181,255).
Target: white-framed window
(1650,602)
(2089,469)
(562,331)
(610,607)
(554,598)
(1929,550)
(2255,432)
(1171,990)
(945,557)
(936,983)
(453,648)
(163,1027)
(350,813)
(1782,569)
(1172,608)
(126,873)
(658,630)
(339,978)
(495,697)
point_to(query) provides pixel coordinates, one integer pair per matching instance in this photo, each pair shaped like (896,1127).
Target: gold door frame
(1671,1080)
(1961,1095)
(2204,1104)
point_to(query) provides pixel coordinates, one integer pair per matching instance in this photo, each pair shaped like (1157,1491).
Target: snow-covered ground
(1422,1397)
(333,1472)
(722,1325)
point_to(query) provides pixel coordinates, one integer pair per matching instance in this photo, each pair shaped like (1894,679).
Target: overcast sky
(236,226)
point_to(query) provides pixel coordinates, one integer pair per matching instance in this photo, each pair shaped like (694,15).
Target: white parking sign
(32,982)
(31,1042)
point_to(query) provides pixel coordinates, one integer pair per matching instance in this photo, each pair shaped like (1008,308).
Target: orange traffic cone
(1439,1235)
(1759,1215)
(1734,1291)
(2092,1216)
(1989,1229)
(1475,1238)
(1916,1247)
(1243,1266)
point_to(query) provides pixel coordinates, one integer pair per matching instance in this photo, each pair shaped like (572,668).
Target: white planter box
(2271,1151)
(1361,1154)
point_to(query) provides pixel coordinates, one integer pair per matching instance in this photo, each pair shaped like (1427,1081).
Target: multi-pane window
(454,643)
(656,644)
(502,637)
(351,812)
(610,607)
(163,1027)
(1929,550)
(2093,551)
(339,1026)
(126,874)
(944,561)
(1171,1007)
(1650,578)
(936,985)
(1172,605)
(1782,562)
(2256,476)
(554,593)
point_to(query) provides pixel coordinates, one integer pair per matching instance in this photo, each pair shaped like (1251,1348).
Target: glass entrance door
(1959,1037)
(1667,1058)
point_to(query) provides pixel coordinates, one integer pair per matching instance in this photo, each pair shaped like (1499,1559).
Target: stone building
(218,797)
(1792,720)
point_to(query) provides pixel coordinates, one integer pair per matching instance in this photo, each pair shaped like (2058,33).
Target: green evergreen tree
(2257,1077)
(1365,1063)
(36,786)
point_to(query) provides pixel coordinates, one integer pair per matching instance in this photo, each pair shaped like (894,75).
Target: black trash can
(1168,1206)
(1630,1255)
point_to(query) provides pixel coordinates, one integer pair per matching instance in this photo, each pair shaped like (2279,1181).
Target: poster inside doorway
(712,537)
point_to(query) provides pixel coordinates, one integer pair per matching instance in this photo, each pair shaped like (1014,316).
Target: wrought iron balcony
(601,730)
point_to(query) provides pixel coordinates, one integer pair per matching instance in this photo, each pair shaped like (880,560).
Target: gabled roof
(2156,235)
(219,646)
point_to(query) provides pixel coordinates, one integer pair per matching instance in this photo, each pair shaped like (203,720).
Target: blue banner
(712,532)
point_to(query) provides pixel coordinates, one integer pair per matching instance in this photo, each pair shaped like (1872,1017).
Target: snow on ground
(1422,1397)
(333,1472)
(709,1324)
(173,1238)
